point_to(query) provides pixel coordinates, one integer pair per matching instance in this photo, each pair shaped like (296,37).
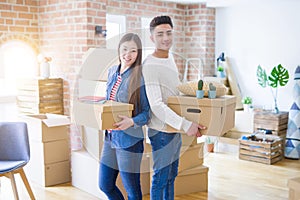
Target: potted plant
(210,144)
(200,91)
(279,77)
(247,103)
(212,91)
(220,71)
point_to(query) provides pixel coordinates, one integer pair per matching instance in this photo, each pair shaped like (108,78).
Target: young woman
(123,146)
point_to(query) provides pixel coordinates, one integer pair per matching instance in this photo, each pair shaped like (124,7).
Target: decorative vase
(45,70)
(200,94)
(220,74)
(212,94)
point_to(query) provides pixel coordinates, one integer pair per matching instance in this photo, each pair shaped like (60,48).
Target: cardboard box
(49,152)
(92,141)
(190,157)
(47,127)
(85,174)
(188,140)
(294,188)
(192,180)
(49,174)
(100,116)
(218,114)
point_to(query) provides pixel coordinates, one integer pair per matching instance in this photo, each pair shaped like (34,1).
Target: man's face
(162,36)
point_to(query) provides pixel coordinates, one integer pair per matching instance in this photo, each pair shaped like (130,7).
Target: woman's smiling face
(128,53)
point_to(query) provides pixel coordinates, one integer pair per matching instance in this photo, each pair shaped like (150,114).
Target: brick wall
(19,21)
(65,30)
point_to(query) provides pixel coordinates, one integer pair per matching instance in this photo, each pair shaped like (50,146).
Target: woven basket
(190,88)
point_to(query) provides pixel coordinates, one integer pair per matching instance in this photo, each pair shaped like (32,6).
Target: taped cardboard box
(47,127)
(49,152)
(192,180)
(100,116)
(48,174)
(190,157)
(218,114)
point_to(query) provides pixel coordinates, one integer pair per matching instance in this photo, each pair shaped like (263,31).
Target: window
(148,45)
(17,60)
(115,26)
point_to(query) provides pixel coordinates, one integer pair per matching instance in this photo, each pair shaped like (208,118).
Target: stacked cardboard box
(40,96)
(49,147)
(218,114)
(192,174)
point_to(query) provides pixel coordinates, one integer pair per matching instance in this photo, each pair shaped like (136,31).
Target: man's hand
(195,129)
(125,123)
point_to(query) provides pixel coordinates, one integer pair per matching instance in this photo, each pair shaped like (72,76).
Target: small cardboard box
(218,114)
(190,157)
(294,188)
(49,152)
(49,174)
(101,116)
(47,127)
(192,180)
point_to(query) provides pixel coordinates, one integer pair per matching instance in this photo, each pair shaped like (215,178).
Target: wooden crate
(267,152)
(277,123)
(39,96)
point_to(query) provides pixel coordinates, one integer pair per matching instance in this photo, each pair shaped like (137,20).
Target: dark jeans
(165,151)
(126,162)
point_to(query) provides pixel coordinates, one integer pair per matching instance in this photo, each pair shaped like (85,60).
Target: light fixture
(100,30)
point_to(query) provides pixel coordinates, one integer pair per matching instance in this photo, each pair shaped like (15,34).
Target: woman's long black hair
(136,67)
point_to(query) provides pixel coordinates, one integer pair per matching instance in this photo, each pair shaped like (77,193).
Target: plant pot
(221,74)
(210,147)
(212,94)
(247,107)
(200,94)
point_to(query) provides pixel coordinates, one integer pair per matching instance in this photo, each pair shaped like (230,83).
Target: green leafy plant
(220,68)
(247,100)
(200,84)
(212,87)
(279,77)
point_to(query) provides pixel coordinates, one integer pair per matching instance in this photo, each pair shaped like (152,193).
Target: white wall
(265,32)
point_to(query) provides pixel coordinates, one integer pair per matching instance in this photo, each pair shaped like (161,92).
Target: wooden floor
(229,179)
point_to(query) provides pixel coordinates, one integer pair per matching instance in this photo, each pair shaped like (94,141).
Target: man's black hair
(160,20)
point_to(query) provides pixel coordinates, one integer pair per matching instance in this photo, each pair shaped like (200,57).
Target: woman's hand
(125,123)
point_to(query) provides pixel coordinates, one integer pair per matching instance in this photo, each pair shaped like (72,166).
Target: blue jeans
(166,152)
(126,162)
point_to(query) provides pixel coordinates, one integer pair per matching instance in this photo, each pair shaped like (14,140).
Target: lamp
(100,30)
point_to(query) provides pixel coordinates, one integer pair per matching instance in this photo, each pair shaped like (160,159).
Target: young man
(161,78)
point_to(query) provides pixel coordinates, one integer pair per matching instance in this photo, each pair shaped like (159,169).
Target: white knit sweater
(161,78)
